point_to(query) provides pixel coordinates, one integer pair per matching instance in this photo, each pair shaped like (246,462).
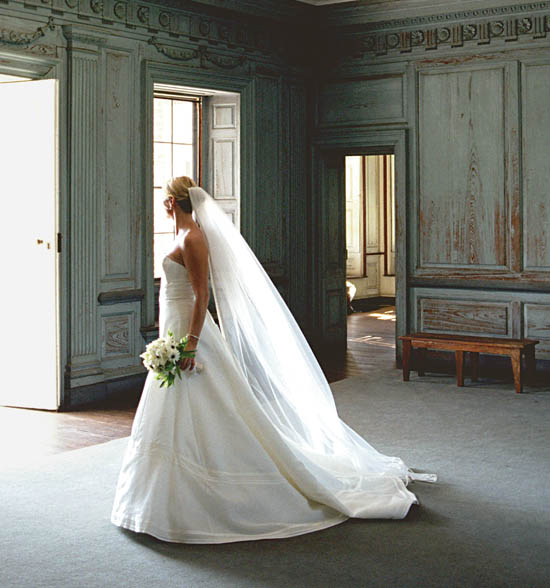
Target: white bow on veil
(289,403)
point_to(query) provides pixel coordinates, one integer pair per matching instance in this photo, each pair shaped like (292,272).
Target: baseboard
(103,391)
(370,304)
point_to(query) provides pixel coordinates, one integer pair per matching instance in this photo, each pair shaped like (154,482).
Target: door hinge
(58,242)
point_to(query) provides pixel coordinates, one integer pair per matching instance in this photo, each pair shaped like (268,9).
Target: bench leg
(474,364)
(459,357)
(516,367)
(406,360)
(420,360)
(531,364)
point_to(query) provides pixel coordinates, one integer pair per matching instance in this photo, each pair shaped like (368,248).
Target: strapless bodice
(174,282)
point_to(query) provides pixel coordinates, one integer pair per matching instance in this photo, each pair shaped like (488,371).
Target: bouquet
(162,356)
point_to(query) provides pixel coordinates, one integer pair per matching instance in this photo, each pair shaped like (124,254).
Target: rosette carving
(525,25)
(143,14)
(443,34)
(120,10)
(164,19)
(469,32)
(97,6)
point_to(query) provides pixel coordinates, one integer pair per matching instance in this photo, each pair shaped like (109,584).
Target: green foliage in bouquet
(163,355)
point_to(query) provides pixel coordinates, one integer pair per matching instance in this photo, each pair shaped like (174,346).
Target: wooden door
(332,254)
(28,242)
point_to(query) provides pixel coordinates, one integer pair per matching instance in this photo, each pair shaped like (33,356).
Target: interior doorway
(28,239)
(370,229)
(370,254)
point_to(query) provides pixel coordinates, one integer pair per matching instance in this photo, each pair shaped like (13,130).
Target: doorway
(370,256)
(379,261)
(370,230)
(28,239)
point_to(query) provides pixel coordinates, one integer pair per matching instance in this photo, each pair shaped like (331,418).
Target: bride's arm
(195,257)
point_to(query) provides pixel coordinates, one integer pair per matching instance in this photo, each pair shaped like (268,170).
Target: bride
(251,446)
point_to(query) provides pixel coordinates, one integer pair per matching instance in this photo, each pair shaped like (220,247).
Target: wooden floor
(30,434)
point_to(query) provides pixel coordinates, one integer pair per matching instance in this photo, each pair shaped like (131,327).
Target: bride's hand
(188,362)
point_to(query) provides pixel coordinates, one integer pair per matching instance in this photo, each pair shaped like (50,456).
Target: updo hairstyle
(179,189)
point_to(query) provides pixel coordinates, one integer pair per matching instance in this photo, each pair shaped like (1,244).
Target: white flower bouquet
(162,356)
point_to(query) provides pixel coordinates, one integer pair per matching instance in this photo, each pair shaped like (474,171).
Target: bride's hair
(179,189)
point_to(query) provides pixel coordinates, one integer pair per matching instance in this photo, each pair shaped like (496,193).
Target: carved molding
(173,52)
(453,35)
(120,9)
(96,6)
(18,39)
(143,15)
(449,17)
(79,37)
(117,335)
(218,59)
(182,22)
(119,296)
(84,219)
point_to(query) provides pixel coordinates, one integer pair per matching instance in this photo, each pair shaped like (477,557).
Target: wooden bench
(514,348)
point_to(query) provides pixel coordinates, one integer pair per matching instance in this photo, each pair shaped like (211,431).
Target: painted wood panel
(372,99)
(536,168)
(222,162)
(332,211)
(464,316)
(537,326)
(120,226)
(84,210)
(121,341)
(462,148)
(298,205)
(270,206)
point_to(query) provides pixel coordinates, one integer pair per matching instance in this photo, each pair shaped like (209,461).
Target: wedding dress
(250,447)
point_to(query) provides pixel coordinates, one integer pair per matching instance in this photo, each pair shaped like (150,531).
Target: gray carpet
(485,523)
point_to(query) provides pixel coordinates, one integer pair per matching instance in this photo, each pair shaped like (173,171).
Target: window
(370,224)
(176,152)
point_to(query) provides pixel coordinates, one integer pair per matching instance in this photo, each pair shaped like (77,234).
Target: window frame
(197,150)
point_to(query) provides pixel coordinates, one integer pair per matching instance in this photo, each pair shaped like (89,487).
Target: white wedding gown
(204,463)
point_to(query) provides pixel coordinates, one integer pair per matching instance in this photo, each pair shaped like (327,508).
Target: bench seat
(460,344)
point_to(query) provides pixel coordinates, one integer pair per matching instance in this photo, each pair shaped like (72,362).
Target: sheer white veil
(326,459)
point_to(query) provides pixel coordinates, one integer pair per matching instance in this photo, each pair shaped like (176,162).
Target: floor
(54,432)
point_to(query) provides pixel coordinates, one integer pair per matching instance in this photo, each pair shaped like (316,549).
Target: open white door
(28,344)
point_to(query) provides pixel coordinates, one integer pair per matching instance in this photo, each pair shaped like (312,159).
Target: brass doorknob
(39,241)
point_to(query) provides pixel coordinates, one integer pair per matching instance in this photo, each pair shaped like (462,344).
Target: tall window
(176,150)
(370,224)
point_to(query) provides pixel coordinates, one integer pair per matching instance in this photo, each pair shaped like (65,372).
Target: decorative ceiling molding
(446,17)
(190,20)
(455,35)
(404,36)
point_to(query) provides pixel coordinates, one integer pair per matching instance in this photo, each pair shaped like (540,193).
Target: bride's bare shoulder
(195,240)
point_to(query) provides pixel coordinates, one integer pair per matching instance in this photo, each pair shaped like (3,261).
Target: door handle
(39,241)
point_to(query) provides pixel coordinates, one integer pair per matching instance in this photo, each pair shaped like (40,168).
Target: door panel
(27,240)
(333,253)
(222,152)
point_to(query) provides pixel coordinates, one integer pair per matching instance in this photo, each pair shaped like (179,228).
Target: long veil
(292,407)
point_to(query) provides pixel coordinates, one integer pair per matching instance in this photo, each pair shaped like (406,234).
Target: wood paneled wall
(471,89)
(107,56)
